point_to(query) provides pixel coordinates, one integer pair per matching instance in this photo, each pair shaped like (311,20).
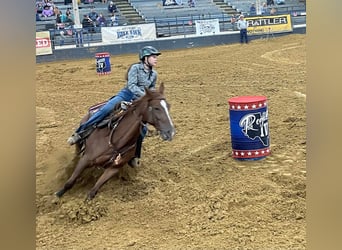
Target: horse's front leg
(81,165)
(107,174)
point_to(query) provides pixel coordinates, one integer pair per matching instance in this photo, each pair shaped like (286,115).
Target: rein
(117,153)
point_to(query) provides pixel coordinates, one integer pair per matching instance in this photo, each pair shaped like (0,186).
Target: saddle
(110,121)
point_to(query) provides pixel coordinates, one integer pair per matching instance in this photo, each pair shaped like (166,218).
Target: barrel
(103,63)
(250,138)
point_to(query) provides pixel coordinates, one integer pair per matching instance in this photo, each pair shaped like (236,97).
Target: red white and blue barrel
(249,129)
(103,63)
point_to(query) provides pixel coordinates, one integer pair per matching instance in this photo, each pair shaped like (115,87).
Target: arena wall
(161,44)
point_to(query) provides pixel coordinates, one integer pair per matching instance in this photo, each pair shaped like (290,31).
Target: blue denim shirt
(139,77)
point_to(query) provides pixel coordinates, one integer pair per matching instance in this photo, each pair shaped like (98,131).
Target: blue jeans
(124,95)
(243,35)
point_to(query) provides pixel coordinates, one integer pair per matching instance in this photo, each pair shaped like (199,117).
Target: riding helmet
(148,51)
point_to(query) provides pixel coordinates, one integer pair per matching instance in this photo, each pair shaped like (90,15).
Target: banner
(207,27)
(260,25)
(43,43)
(129,33)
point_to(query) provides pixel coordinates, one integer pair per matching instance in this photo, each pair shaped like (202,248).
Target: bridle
(150,117)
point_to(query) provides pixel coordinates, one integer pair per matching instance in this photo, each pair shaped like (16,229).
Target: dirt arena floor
(189,193)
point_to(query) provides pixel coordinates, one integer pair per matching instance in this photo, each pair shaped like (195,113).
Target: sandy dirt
(189,193)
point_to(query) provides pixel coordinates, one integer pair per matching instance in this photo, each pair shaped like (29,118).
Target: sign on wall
(129,33)
(207,27)
(269,24)
(43,43)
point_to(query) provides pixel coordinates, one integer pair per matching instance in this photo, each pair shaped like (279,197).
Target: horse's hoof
(59,194)
(134,162)
(90,196)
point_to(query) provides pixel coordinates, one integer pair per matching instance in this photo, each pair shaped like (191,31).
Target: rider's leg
(123,95)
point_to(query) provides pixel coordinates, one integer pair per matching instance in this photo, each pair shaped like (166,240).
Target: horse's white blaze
(163,104)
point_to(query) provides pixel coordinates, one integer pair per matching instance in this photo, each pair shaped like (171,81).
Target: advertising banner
(129,33)
(261,25)
(43,43)
(207,27)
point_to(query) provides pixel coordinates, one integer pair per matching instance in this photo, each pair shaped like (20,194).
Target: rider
(139,75)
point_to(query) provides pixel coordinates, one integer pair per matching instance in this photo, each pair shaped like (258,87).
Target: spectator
(65,31)
(263,9)
(252,10)
(88,24)
(69,19)
(273,11)
(242,26)
(56,10)
(112,7)
(39,7)
(114,20)
(68,12)
(270,2)
(48,3)
(280,2)
(47,11)
(38,17)
(58,19)
(191,3)
(93,15)
(233,22)
(101,20)
(62,16)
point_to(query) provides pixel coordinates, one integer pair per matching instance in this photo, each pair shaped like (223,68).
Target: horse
(111,147)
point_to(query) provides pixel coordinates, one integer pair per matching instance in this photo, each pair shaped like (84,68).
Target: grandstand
(172,20)
(179,19)
(289,7)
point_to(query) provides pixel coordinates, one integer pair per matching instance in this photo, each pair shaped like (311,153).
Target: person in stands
(139,76)
(252,10)
(111,7)
(47,11)
(88,24)
(93,15)
(101,21)
(114,20)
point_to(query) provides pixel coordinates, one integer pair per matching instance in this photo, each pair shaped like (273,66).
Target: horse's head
(157,113)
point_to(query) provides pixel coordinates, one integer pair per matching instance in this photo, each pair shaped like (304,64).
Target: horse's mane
(150,94)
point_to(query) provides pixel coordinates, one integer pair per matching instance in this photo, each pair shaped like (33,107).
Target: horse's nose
(173,133)
(168,135)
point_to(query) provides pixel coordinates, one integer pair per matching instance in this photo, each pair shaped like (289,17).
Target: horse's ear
(161,88)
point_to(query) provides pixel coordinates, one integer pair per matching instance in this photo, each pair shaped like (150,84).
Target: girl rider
(139,75)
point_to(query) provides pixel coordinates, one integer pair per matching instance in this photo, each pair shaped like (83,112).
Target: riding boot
(74,138)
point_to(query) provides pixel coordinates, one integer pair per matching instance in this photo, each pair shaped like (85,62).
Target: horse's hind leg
(107,174)
(81,165)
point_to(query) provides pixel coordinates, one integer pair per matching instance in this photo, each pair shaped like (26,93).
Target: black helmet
(148,51)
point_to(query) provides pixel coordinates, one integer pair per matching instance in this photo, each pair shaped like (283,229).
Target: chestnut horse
(112,147)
